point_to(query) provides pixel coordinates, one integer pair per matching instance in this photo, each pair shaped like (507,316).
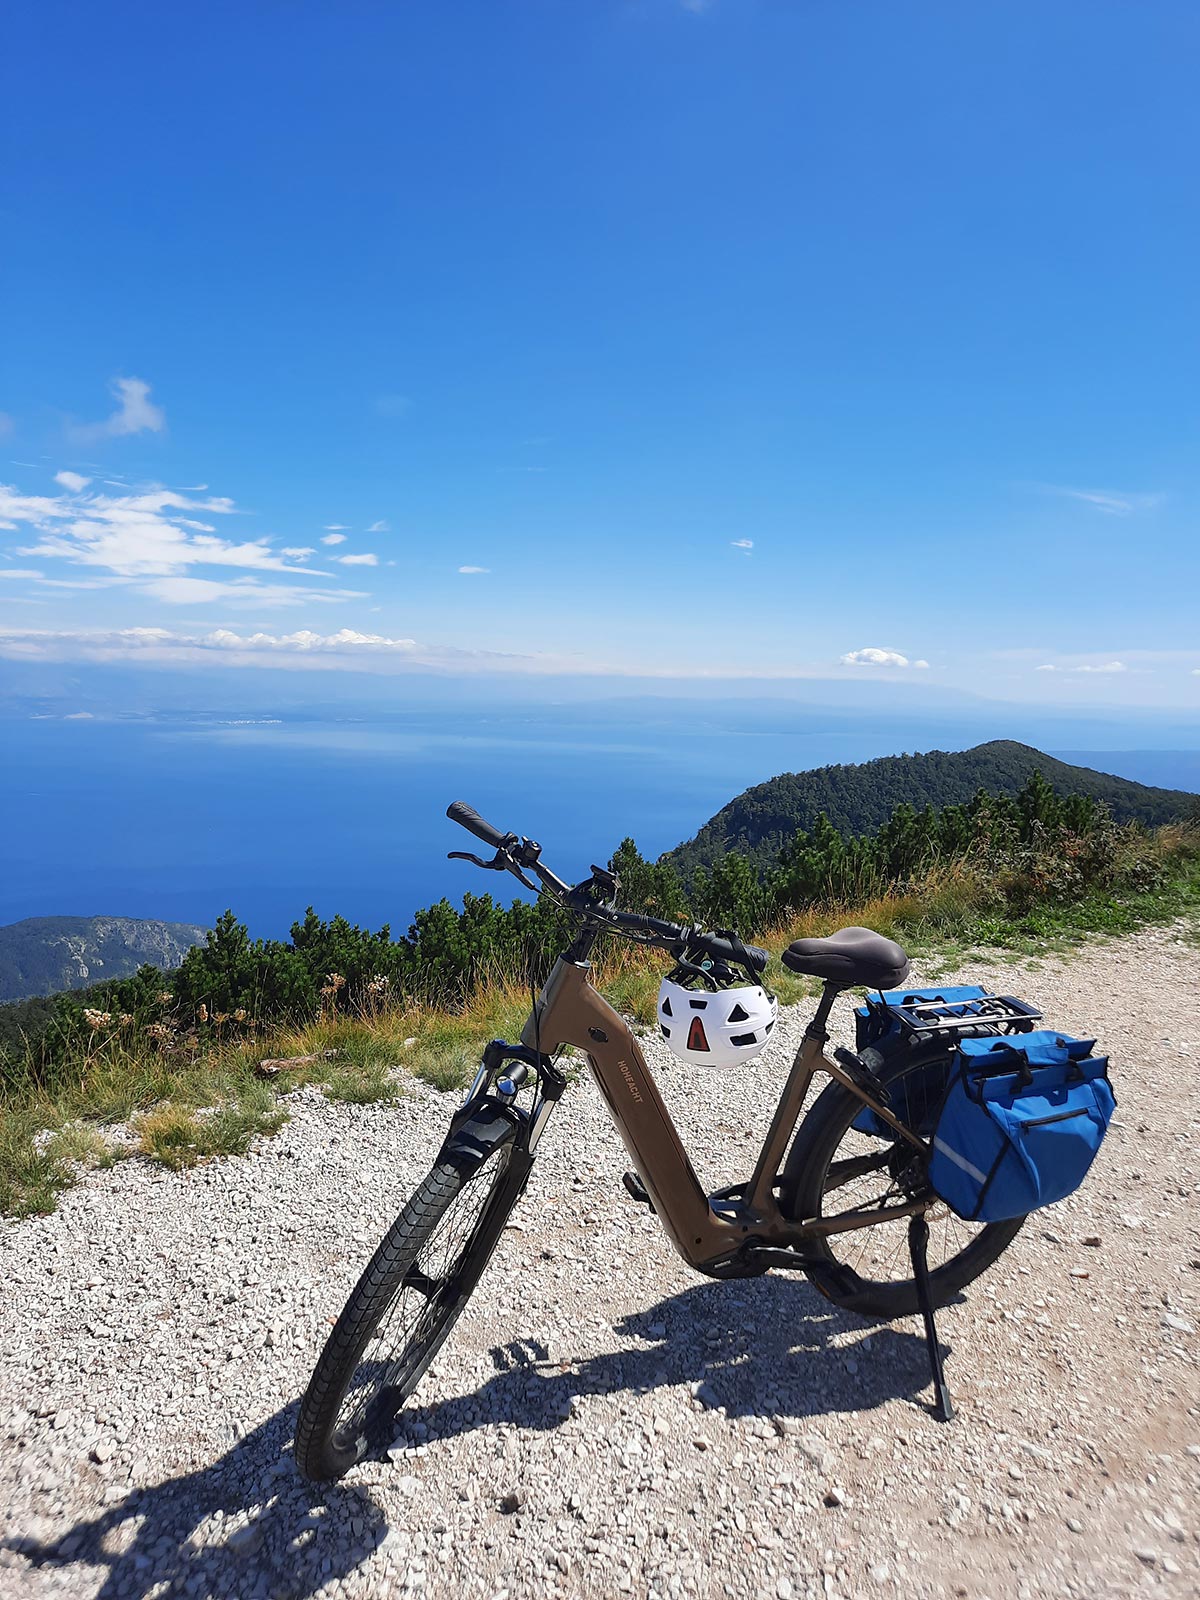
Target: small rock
(103,1450)
(1150,1557)
(513,1501)
(783,1589)
(1092,1241)
(1180,1324)
(1074,1524)
(815,1451)
(245,1540)
(835,1496)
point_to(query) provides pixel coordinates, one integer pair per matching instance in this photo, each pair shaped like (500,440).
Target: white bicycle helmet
(714,1027)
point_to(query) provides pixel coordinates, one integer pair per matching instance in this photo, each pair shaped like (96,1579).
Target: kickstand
(918,1241)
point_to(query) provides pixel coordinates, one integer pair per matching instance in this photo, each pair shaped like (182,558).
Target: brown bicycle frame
(708,1231)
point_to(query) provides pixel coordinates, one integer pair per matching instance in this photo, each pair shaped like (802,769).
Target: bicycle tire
(337,1425)
(805,1184)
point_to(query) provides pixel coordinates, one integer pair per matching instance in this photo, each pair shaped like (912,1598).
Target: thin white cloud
(159,543)
(742,544)
(337,527)
(143,534)
(333,538)
(382,526)
(470,571)
(1106,666)
(72,481)
(135,413)
(242,592)
(1112,502)
(366,559)
(346,649)
(873,656)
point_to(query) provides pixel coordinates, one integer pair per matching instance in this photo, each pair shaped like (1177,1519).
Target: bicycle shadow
(772,1358)
(775,1359)
(169,1539)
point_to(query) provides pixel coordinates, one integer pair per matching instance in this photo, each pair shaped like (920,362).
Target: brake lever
(497,864)
(500,862)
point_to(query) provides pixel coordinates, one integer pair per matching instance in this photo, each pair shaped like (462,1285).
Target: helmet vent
(666,1006)
(698,1005)
(739,1014)
(743,1038)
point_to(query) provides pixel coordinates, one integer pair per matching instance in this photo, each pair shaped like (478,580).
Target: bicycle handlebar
(694,939)
(679,938)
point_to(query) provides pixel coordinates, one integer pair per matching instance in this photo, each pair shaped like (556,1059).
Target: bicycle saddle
(850,957)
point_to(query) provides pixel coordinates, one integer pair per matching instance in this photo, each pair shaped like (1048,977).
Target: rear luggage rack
(1002,1013)
(921,1014)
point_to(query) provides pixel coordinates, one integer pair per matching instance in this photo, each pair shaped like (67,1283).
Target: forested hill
(44,955)
(859,799)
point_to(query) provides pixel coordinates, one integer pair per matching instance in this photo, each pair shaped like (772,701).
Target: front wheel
(841,1161)
(412,1292)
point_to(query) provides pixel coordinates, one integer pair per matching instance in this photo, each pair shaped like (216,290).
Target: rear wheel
(409,1297)
(840,1164)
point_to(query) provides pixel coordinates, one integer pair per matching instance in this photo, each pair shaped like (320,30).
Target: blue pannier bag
(1022,1119)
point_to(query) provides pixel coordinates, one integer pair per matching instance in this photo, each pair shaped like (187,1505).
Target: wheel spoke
(860,1177)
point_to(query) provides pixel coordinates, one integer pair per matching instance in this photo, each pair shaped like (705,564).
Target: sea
(178,815)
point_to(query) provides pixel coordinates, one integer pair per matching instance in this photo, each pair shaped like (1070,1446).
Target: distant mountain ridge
(860,798)
(45,955)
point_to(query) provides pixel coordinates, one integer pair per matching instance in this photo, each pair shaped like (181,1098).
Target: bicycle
(852,1152)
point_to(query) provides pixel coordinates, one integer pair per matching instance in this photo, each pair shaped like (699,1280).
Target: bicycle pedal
(636,1189)
(835,1281)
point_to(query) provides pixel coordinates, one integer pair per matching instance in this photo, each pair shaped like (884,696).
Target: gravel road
(603,1422)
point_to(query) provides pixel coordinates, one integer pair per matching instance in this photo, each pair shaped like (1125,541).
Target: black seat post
(816,1028)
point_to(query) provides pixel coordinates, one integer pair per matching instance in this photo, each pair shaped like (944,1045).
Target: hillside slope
(44,955)
(858,799)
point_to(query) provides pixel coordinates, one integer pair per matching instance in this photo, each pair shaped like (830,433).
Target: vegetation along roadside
(169,1067)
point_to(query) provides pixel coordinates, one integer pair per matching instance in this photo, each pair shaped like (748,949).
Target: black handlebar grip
(467,817)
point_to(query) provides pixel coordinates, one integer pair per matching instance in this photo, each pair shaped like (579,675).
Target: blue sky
(657,338)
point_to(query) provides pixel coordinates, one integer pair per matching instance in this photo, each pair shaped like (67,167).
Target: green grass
(176,1136)
(186,1108)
